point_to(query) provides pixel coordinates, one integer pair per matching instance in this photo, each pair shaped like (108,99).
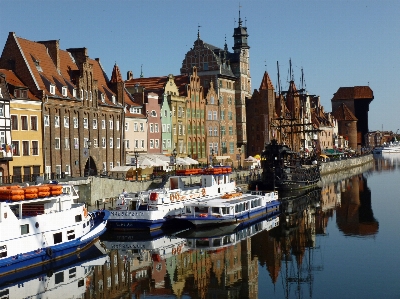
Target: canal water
(337,241)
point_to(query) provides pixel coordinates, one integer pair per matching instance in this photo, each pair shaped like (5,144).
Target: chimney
(53,47)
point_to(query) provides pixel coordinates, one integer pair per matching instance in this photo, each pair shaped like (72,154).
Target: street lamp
(136,155)
(174,153)
(212,157)
(88,143)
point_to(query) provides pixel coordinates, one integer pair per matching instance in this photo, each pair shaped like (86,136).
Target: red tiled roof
(356,92)
(344,113)
(152,83)
(37,52)
(102,84)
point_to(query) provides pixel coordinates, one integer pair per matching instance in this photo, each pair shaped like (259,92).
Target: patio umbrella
(147,163)
(191,161)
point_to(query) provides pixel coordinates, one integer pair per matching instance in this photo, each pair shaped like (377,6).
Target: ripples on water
(337,241)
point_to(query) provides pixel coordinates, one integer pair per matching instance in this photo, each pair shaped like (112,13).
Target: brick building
(78,105)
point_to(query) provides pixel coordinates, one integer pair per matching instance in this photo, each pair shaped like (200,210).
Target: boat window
(3,251)
(215,210)
(252,203)
(78,218)
(236,208)
(188,210)
(24,229)
(59,277)
(217,242)
(225,210)
(201,209)
(246,206)
(57,238)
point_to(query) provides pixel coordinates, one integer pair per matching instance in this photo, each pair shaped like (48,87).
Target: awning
(121,168)
(191,161)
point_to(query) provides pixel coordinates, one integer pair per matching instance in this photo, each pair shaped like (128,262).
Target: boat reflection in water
(69,277)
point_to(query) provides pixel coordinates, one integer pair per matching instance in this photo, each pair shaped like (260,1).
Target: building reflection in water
(225,263)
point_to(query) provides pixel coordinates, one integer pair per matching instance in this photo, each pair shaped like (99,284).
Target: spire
(198,31)
(225,46)
(240,36)
(116,74)
(141,71)
(240,20)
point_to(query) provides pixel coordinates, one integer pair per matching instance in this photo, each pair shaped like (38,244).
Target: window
(141,127)
(52,89)
(126,126)
(24,229)
(76,143)
(151,128)
(136,143)
(168,128)
(111,165)
(14,122)
(163,127)
(103,142)
(222,115)
(103,98)
(135,127)
(85,123)
(113,99)
(212,100)
(153,113)
(111,142)
(56,121)
(35,148)
(209,115)
(156,128)
(34,123)
(95,144)
(24,122)
(25,148)
(157,143)
(231,148)
(126,143)
(142,143)
(117,125)
(1,108)
(94,124)
(57,144)
(118,142)
(215,131)
(66,143)
(111,124)
(210,131)
(151,143)
(103,124)
(74,93)
(215,116)
(76,123)
(230,131)
(64,91)
(66,121)
(15,148)
(205,66)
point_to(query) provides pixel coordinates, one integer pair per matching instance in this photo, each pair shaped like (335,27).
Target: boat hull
(51,254)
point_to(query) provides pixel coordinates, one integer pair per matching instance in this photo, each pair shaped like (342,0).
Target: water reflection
(275,257)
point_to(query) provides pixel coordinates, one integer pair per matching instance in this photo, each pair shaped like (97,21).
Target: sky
(336,43)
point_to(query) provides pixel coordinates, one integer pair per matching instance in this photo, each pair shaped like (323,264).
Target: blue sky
(337,43)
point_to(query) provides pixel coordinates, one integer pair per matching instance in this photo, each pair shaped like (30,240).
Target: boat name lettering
(127,213)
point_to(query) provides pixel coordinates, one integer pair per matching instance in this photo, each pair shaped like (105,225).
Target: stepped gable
(266,82)
(344,113)
(12,79)
(356,92)
(116,75)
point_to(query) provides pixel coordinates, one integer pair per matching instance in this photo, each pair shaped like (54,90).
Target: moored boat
(390,148)
(154,209)
(230,208)
(41,230)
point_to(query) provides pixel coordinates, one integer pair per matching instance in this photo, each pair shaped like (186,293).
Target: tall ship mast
(289,161)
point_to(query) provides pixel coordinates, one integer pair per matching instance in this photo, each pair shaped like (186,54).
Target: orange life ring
(31,195)
(43,193)
(14,187)
(43,188)
(29,190)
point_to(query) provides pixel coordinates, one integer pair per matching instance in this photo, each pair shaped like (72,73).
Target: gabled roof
(151,83)
(353,93)
(344,113)
(116,75)
(266,82)
(12,79)
(102,84)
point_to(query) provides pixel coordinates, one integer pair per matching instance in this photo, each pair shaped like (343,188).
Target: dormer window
(64,91)
(37,64)
(74,93)
(113,99)
(20,93)
(52,89)
(103,98)
(81,94)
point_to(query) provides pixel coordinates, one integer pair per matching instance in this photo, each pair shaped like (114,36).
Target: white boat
(41,224)
(392,147)
(230,208)
(153,209)
(69,280)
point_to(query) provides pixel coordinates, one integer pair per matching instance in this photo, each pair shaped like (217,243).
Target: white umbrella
(181,161)
(146,162)
(191,161)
